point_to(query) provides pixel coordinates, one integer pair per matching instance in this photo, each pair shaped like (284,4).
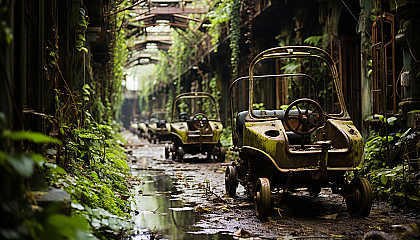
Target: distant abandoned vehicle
(307,140)
(158,127)
(195,127)
(142,126)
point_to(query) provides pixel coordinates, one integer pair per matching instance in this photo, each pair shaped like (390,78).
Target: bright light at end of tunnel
(131,83)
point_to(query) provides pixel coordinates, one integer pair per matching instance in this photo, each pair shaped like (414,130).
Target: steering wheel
(200,121)
(183,116)
(309,115)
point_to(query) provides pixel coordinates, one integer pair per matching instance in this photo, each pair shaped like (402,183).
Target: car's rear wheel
(359,197)
(173,151)
(220,154)
(314,191)
(180,154)
(167,150)
(262,198)
(231,183)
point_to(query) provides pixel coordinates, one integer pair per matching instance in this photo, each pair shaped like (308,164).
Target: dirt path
(187,200)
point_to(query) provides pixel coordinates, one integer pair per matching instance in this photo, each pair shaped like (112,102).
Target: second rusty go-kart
(195,127)
(158,127)
(306,140)
(142,125)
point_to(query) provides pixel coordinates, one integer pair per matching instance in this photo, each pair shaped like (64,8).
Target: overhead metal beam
(178,10)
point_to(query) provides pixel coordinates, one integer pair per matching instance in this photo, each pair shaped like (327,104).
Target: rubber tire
(221,154)
(180,154)
(262,198)
(172,149)
(174,156)
(314,191)
(167,152)
(359,197)
(231,182)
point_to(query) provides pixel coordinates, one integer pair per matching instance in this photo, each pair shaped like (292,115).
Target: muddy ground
(174,200)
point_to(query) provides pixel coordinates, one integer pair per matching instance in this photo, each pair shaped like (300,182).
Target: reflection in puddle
(159,213)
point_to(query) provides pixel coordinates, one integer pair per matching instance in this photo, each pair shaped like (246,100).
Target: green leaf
(88,135)
(405,133)
(391,120)
(369,118)
(314,40)
(389,138)
(81,38)
(110,155)
(35,137)
(380,117)
(56,168)
(23,164)
(82,12)
(82,23)
(84,49)
(79,44)
(74,227)
(86,89)
(96,223)
(384,179)
(38,158)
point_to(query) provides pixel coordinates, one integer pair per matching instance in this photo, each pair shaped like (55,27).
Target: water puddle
(157,208)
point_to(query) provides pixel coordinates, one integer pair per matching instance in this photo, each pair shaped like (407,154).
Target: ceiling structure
(149,27)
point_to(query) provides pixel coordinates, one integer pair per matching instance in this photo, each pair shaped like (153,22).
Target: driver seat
(294,138)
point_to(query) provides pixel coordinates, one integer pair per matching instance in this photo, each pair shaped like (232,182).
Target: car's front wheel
(359,197)
(262,198)
(231,183)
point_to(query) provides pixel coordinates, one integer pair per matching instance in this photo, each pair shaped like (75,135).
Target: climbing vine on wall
(219,17)
(235,35)
(227,12)
(120,53)
(82,23)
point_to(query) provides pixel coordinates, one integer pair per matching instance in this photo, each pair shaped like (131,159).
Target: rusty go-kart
(158,127)
(142,125)
(195,127)
(308,141)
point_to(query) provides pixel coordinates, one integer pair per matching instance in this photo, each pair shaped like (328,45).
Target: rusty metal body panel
(211,135)
(345,153)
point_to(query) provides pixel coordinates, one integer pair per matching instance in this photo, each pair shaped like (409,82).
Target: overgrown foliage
(224,18)
(391,175)
(235,36)
(19,219)
(88,160)
(98,179)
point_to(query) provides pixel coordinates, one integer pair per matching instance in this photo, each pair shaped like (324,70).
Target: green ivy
(80,38)
(317,41)
(227,14)
(6,33)
(19,220)
(375,151)
(219,17)
(235,36)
